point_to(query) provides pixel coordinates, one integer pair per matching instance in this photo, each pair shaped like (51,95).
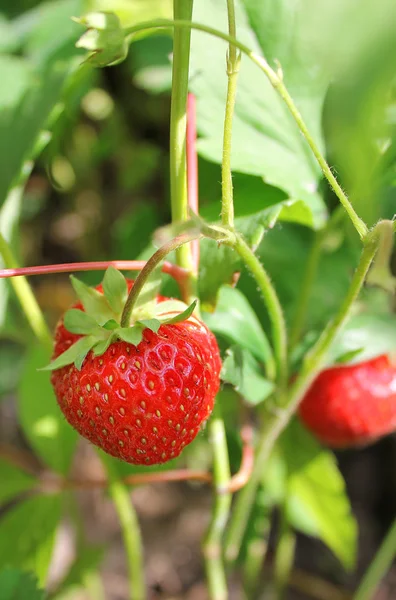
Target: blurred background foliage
(84,176)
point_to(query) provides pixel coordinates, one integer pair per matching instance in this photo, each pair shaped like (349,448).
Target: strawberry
(352,405)
(139,398)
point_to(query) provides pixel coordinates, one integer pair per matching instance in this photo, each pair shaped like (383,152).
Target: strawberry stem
(379,566)
(149,267)
(178,273)
(130,531)
(212,546)
(182,9)
(276,80)
(192,171)
(276,419)
(233,61)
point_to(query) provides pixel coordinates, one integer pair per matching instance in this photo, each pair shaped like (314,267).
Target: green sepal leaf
(163,309)
(78,321)
(242,371)
(111,325)
(183,316)
(94,303)
(101,347)
(115,289)
(132,335)
(105,39)
(349,356)
(75,354)
(19,585)
(153,324)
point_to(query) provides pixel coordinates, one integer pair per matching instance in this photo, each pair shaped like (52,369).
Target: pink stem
(192,169)
(174,271)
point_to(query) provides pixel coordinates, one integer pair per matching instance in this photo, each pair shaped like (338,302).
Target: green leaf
(313,477)
(42,422)
(75,354)
(252,196)
(235,319)
(365,336)
(78,321)
(183,316)
(131,12)
(14,481)
(94,303)
(9,220)
(153,324)
(19,132)
(132,335)
(219,264)
(101,347)
(86,563)
(17,585)
(27,534)
(115,289)
(269,143)
(241,370)
(284,252)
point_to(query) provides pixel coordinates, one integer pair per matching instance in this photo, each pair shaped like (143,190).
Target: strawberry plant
(244,327)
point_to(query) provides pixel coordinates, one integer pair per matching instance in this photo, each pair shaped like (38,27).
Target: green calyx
(104,39)
(100,325)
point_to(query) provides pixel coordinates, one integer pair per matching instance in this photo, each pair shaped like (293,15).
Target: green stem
(233,61)
(257,545)
(284,556)
(277,418)
(182,9)
(277,82)
(212,547)
(379,566)
(272,303)
(130,530)
(26,297)
(152,264)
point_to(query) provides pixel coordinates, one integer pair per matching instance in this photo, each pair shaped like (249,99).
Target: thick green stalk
(233,61)
(273,306)
(121,497)
(279,416)
(182,9)
(379,566)
(284,555)
(26,297)
(276,81)
(212,547)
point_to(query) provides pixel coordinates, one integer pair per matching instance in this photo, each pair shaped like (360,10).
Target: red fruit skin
(141,404)
(352,405)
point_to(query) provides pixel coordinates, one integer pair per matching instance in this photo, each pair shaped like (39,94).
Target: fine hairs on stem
(277,82)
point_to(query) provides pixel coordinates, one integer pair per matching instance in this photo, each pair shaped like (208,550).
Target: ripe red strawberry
(352,405)
(141,403)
